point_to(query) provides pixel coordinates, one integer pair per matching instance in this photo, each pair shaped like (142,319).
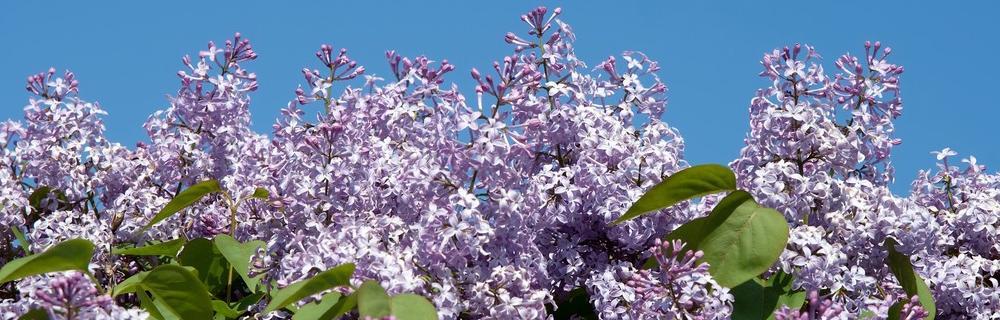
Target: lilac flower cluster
(681,289)
(815,309)
(819,150)
(496,205)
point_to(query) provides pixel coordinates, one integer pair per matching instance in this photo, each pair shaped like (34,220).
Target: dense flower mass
(497,204)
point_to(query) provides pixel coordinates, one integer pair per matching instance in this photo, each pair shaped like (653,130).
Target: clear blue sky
(126,54)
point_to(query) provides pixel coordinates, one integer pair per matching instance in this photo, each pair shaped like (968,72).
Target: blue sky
(126,55)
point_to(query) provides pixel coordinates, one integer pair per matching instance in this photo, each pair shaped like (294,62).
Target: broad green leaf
(35,314)
(238,254)
(212,267)
(338,276)
(21,240)
(744,242)
(246,302)
(575,304)
(168,249)
(372,300)
(71,254)
(222,309)
(133,283)
(693,232)
(319,310)
(758,299)
(260,193)
(179,292)
(911,282)
(129,285)
(185,199)
(686,184)
(164,310)
(147,304)
(410,306)
(345,305)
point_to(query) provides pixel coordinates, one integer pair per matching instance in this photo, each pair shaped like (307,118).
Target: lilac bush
(500,204)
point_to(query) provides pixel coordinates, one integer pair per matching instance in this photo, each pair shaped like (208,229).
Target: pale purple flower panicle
(815,309)
(681,289)
(912,310)
(496,201)
(72,297)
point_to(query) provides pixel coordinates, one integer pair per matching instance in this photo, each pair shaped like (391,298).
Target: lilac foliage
(498,204)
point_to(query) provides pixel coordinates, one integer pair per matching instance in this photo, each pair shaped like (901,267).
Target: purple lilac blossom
(499,203)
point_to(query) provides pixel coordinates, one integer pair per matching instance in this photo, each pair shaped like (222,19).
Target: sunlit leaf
(168,249)
(338,276)
(72,254)
(238,255)
(222,309)
(185,199)
(147,304)
(757,299)
(324,309)
(130,284)
(410,306)
(744,242)
(686,184)
(911,282)
(372,300)
(179,292)
(212,267)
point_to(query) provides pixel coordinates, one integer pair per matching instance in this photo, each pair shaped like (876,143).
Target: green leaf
(345,305)
(260,193)
(222,309)
(134,283)
(689,183)
(246,302)
(71,254)
(576,305)
(238,255)
(185,199)
(758,299)
(372,300)
(179,292)
(35,314)
(203,256)
(410,306)
(743,242)
(913,285)
(147,304)
(693,232)
(320,310)
(21,240)
(338,276)
(129,285)
(168,249)
(896,310)
(35,199)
